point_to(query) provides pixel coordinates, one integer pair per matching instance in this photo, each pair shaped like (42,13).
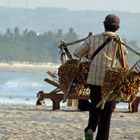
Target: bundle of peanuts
(120,84)
(123,82)
(74,70)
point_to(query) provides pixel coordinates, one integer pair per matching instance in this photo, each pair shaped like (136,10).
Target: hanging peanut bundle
(120,84)
(74,69)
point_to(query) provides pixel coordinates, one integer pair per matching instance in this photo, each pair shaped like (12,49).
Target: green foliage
(31,46)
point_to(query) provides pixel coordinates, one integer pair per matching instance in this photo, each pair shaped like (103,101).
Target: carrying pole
(117,39)
(78,41)
(65,53)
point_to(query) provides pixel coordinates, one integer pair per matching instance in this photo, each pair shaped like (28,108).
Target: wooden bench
(58,97)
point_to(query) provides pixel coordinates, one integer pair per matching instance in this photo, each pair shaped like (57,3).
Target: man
(106,58)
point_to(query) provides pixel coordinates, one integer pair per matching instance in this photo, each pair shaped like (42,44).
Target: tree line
(30,46)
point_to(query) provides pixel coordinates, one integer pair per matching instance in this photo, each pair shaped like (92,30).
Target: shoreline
(28,67)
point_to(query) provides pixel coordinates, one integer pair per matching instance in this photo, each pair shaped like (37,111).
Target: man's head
(111,23)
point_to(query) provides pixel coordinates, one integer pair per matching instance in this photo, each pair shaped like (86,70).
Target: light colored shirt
(105,59)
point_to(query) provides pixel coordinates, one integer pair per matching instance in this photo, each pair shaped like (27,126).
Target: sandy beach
(30,122)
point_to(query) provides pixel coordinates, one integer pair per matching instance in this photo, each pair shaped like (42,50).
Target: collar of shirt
(109,34)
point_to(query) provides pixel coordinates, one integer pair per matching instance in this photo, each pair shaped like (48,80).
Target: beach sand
(30,122)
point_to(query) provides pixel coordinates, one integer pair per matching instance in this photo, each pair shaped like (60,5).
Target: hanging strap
(114,56)
(101,47)
(123,60)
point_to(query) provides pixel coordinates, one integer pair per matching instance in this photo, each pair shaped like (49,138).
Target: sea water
(22,88)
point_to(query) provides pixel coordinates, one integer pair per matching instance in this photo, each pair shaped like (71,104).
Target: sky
(117,5)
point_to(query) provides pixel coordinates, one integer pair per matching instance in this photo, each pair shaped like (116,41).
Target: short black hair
(112,22)
(112,28)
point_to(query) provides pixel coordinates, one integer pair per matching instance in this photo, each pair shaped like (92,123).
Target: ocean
(22,88)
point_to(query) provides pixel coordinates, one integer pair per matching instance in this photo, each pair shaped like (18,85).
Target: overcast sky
(121,5)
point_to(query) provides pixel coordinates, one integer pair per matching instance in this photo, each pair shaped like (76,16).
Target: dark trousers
(99,118)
